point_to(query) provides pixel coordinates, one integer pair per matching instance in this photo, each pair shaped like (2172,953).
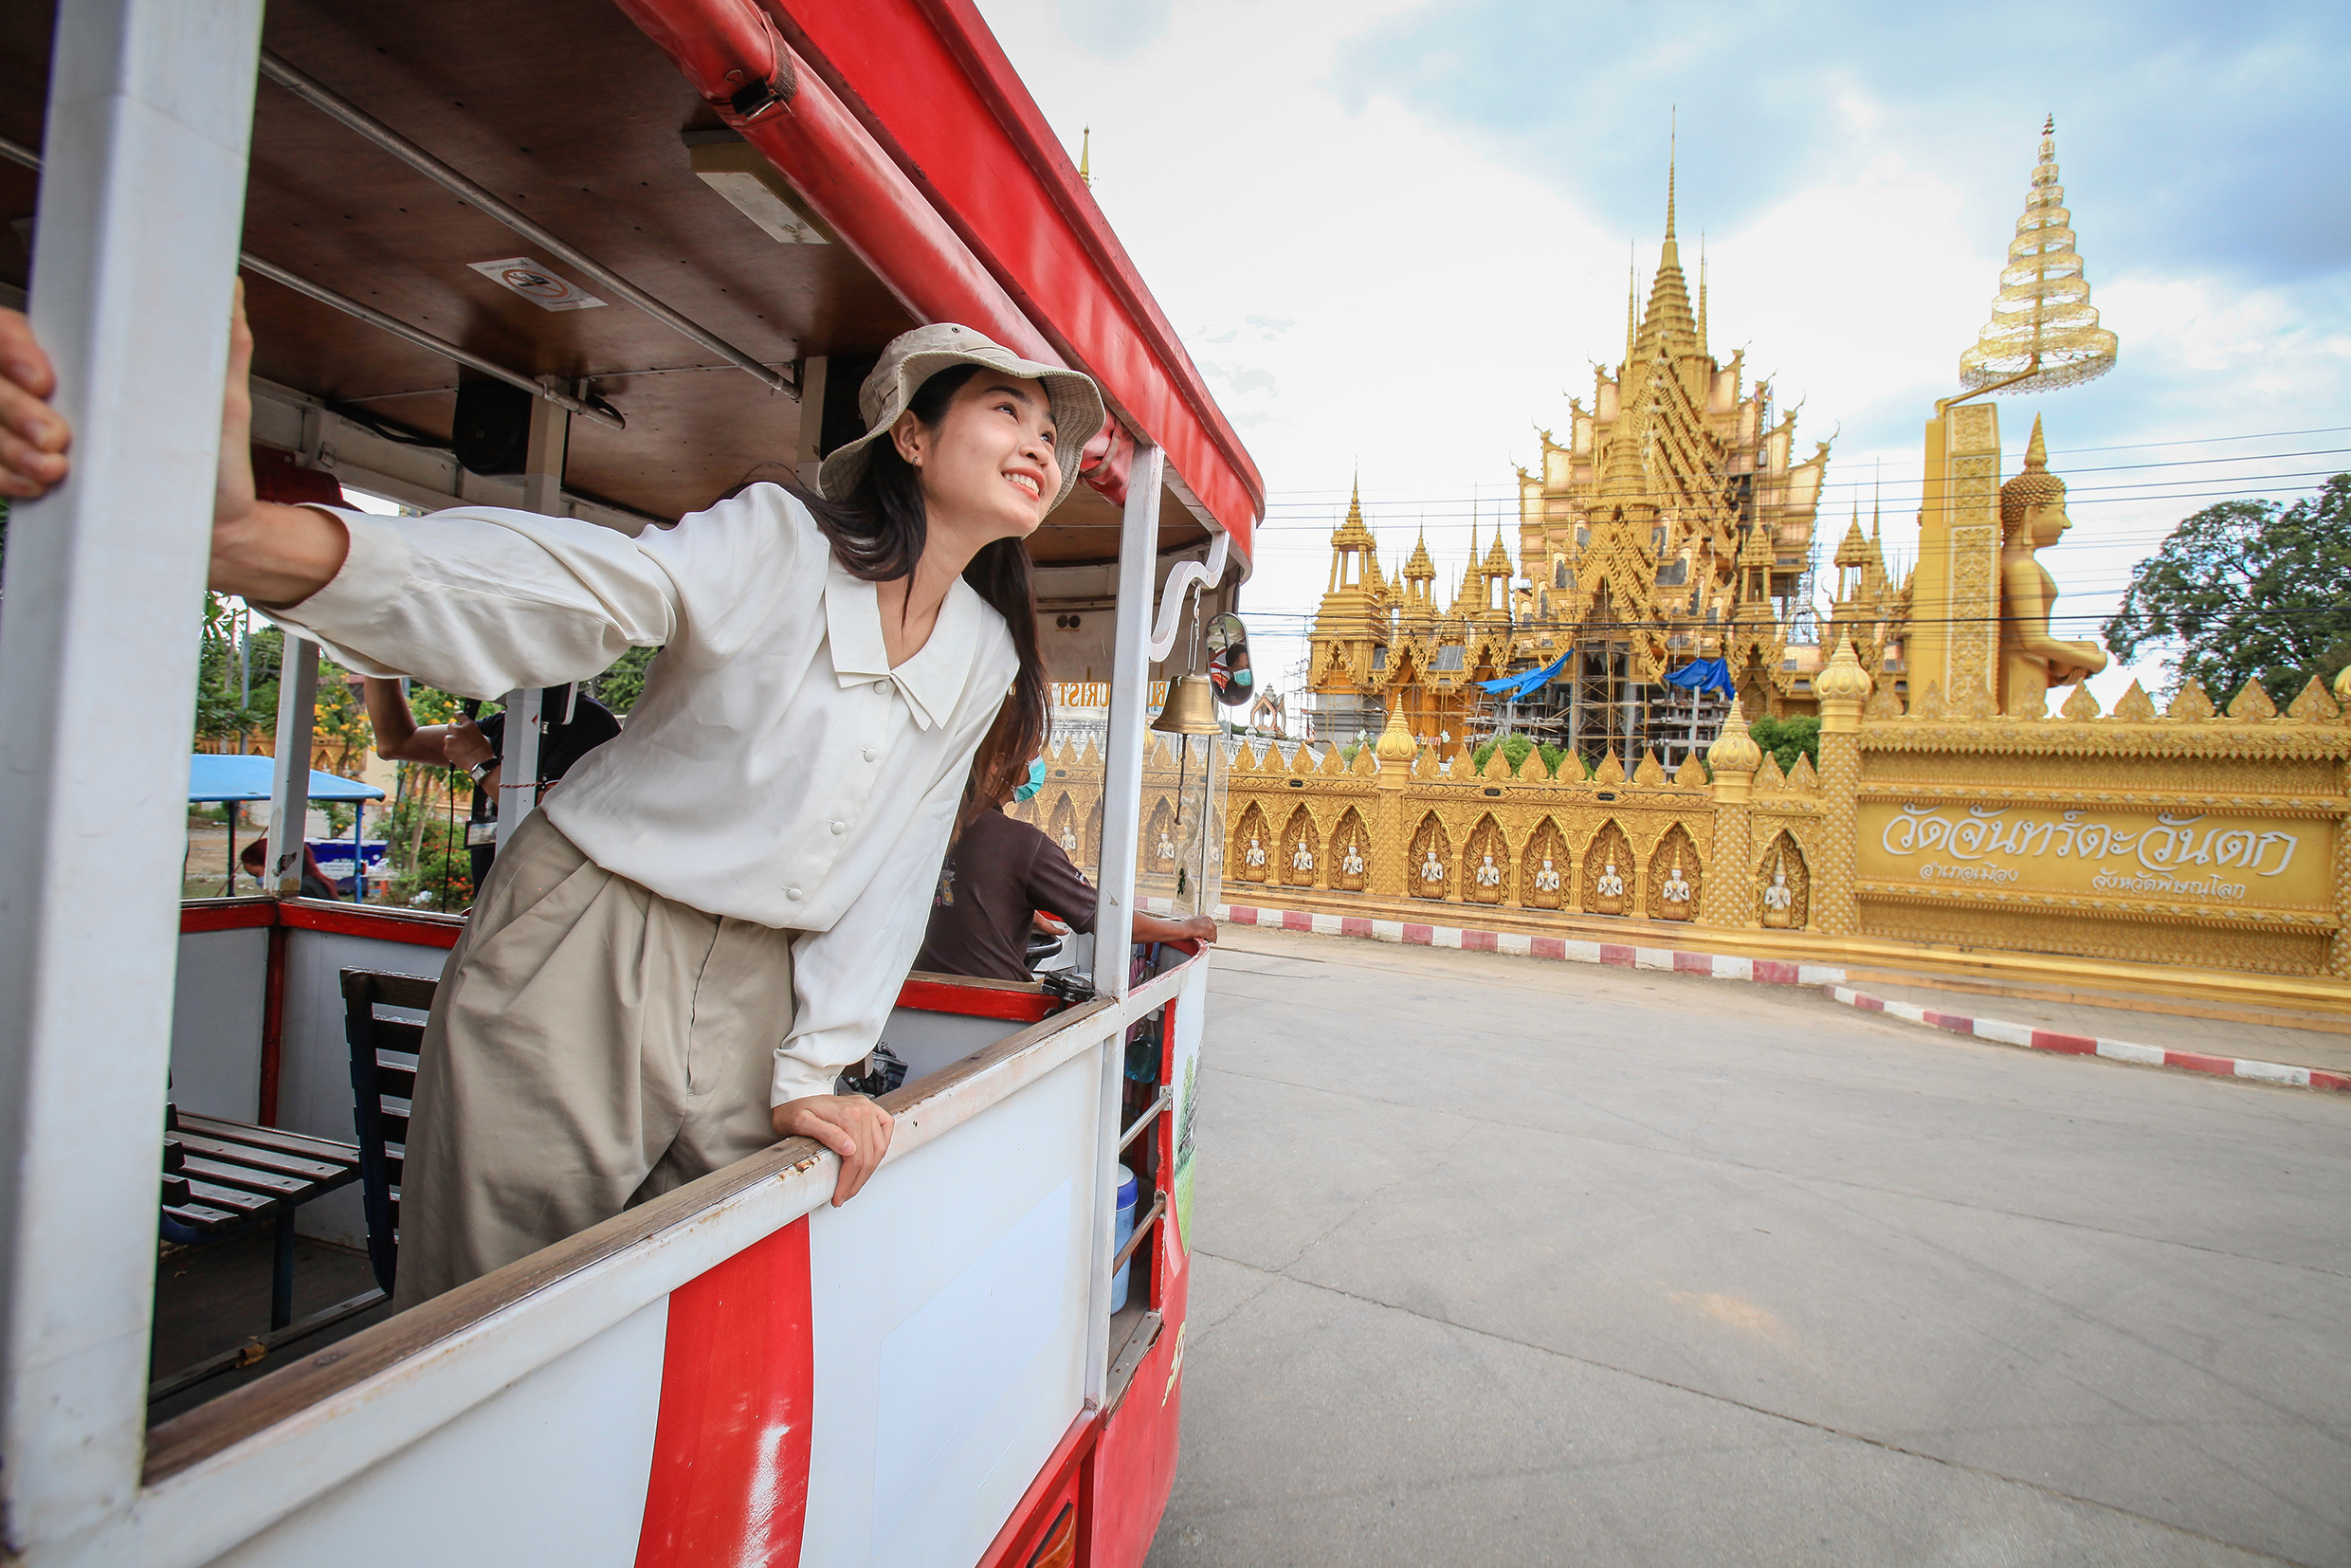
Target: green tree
(1788,739)
(2248,589)
(619,688)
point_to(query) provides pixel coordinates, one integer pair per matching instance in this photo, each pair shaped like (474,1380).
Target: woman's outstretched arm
(272,555)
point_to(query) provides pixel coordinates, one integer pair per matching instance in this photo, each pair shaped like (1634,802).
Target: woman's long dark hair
(879,530)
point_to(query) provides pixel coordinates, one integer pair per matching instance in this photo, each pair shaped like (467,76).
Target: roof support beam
(17,152)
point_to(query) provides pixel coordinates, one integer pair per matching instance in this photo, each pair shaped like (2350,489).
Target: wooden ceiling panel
(564,109)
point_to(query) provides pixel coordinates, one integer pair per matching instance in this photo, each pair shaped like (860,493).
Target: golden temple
(1674,524)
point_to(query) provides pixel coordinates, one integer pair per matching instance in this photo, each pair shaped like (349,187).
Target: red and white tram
(678,230)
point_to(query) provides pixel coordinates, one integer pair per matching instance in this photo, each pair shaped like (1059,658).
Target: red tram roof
(927,83)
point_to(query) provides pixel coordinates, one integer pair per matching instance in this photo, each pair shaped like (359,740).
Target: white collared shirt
(776,768)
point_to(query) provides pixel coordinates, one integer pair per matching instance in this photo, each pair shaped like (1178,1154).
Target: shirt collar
(933,679)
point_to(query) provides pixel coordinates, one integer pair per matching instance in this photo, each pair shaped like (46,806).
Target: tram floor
(1529,1263)
(214,1298)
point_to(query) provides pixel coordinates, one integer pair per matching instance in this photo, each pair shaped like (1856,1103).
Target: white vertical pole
(517,767)
(1130,694)
(1122,777)
(543,454)
(149,113)
(542,491)
(289,771)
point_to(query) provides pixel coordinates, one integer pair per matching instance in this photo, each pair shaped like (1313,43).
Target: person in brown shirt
(998,874)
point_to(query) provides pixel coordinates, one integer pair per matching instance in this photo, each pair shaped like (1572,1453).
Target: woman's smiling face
(988,467)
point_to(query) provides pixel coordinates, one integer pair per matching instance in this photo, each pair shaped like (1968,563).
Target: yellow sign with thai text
(2182,857)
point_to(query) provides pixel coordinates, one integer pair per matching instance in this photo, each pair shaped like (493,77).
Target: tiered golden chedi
(1674,524)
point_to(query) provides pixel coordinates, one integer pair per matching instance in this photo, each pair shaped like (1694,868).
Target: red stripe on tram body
(730,1446)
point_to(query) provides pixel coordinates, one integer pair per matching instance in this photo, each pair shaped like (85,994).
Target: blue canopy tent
(1701,675)
(217,780)
(1512,687)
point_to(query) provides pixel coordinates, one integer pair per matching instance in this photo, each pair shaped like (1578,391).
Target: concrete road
(1508,1261)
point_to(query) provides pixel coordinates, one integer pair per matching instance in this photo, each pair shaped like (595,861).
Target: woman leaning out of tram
(712,913)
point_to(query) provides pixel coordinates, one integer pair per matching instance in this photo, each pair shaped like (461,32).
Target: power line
(2074,451)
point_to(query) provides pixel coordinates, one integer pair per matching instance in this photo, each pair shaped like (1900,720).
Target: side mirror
(1228,672)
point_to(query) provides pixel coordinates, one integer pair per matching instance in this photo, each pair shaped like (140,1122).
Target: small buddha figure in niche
(1548,878)
(2032,659)
(1353,865)
(1611,891)
(1069,840)
(1778,899)
(1489,874)
(1675,893)
(1432,870)
(1255,858)
(1166,846)
(1302,858)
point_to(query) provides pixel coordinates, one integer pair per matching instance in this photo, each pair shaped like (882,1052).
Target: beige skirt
(592,1045)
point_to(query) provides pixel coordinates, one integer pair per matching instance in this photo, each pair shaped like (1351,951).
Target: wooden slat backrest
(382,1085)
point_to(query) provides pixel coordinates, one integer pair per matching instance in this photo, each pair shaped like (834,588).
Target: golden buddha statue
(2032,659)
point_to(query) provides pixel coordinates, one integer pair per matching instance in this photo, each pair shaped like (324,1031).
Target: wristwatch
(480,771)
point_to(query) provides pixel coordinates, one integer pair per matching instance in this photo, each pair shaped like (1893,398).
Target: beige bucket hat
(914,357)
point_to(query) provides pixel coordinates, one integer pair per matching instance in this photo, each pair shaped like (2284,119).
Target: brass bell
(1190,708)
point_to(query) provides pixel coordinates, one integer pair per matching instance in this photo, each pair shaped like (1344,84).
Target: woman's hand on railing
(33,436)
(850,1125)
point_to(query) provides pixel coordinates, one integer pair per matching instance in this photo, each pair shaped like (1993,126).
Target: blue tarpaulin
(1512,687)
(212,778)
(1704,675)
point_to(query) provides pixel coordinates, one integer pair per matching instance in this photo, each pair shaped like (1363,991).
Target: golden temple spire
(1673,144)
(1668,327)
(1633,294)
(1085,157)
(2036,451)
(1702,291)
(2044,331)
(1421,568)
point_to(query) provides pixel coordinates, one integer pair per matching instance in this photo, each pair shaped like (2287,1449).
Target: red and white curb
(1518,943)
(2086,1045)
(1830,978)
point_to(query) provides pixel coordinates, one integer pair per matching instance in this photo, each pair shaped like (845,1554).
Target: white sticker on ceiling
(536,284)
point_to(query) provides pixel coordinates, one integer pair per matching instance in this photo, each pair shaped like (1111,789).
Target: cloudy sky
(1394,236)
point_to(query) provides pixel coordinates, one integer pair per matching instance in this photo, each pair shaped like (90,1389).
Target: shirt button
(868,753)
(839,827)
(793,893)
(881,686)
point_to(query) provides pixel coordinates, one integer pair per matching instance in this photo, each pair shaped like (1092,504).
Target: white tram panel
(949,1315)
(553,1468)
(218,995)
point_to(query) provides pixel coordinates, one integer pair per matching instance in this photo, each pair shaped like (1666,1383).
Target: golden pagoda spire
(1633,296)
(1702,291)
(1668,325)
(1086,156)
(2044,331)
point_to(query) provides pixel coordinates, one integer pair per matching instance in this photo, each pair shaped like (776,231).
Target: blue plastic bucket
(1125,1230)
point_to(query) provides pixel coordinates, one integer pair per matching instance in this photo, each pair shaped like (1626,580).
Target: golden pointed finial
(1086,156)
(2036,450)
(2044,331)
(1673,141)
(1633,296)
